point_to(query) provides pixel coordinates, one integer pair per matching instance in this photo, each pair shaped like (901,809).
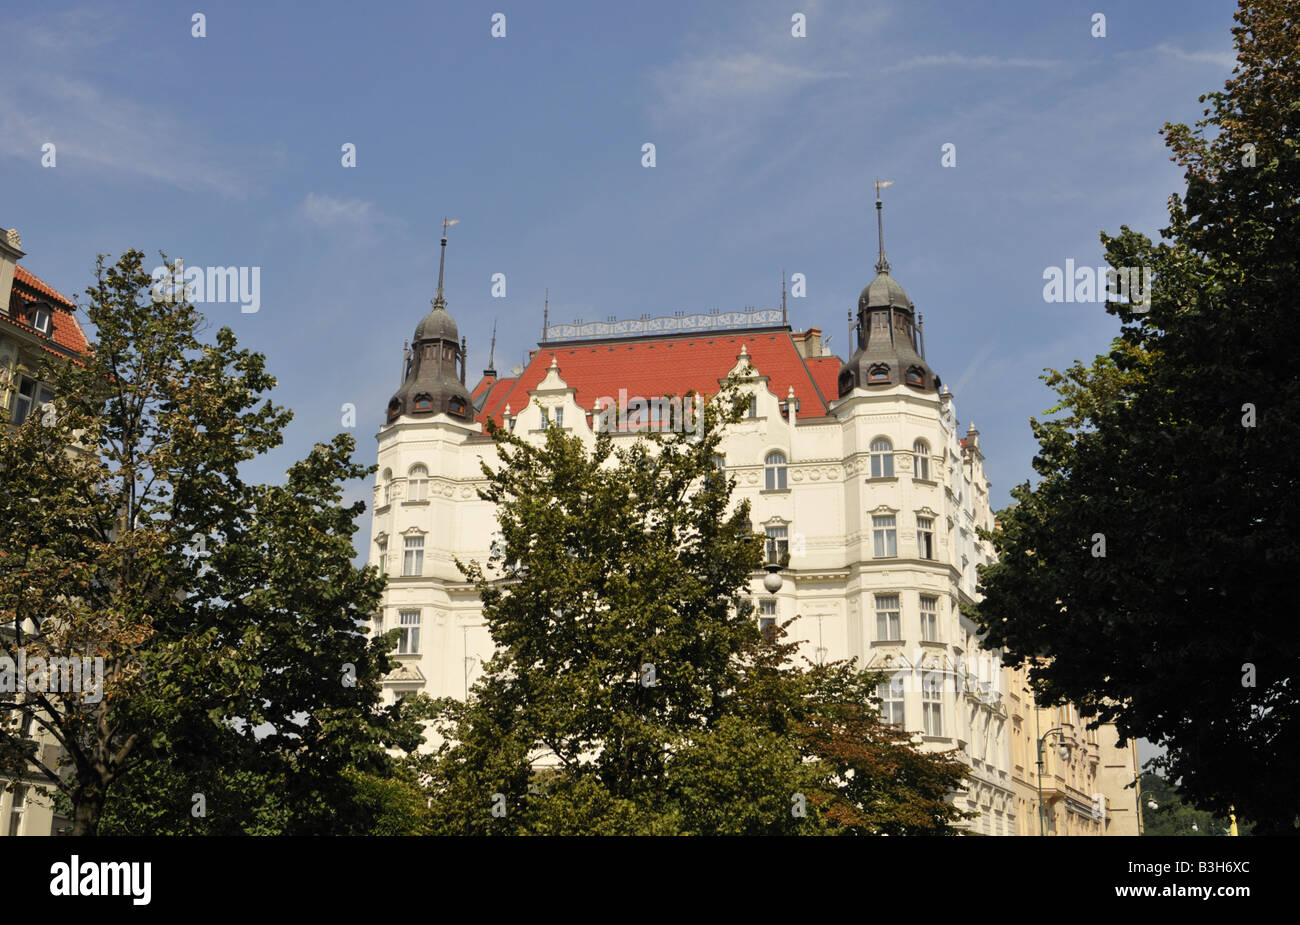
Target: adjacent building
(36,321)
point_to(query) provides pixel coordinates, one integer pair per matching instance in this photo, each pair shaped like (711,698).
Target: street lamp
(1042,815)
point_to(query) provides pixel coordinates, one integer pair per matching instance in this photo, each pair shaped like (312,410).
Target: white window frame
(929,618)
(882,458)
(889,617)
(921,452)
(884,536)
(413,556)
(408,643)
(39,315)
(417,483)
(925,537)
(778,542)
(767,614)
(890,693)
(774,470)
(39,397)
(932,704)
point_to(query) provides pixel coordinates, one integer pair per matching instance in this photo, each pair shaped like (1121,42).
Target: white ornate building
(859,470)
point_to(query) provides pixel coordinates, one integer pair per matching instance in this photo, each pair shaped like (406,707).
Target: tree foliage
(227,614)
(632,692)
(1177,449)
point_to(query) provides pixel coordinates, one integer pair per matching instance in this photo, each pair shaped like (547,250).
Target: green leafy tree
(227,615)
(1170,815)
(1148,571)
(631,690)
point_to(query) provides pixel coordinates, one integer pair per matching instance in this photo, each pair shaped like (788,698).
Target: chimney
(9,257)
(808,343)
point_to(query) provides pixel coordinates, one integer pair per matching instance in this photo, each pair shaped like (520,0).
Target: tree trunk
(87,805)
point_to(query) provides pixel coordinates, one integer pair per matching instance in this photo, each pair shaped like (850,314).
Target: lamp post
(1042,815)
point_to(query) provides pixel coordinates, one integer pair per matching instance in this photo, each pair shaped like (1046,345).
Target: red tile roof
(826,373)
(498,388)
(41,286)
(674,365)
(64,327)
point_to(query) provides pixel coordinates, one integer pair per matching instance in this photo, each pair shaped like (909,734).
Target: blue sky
(225,150)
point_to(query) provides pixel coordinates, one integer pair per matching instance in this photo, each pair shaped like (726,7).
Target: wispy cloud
(1224,59)
(45,101)
(728,78)
(330,212)
(951,59)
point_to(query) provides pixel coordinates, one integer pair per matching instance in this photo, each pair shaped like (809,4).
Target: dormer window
(915,376)
(878,375)
(423,403)
(456,406)
(40,317)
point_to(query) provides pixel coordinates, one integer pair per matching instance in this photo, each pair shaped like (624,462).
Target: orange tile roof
(674,365)
(64,327)
(498,388)
(32,281)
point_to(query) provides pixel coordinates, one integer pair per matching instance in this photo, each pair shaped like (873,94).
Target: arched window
(387,479)
(775,463)
(423,402)
(878,375)
(418,483)
(882,458)
(456,406)
(915,376)
(921,450)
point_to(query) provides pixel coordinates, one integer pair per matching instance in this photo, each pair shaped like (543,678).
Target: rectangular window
(778,544)
(409,623)
(559,417)
(413,559)
(16,812)
(925,537)
(767,616)
(932,704)
(885,535)
(383,558)
(891,700)
(889,624)
(929,619)
(753,406)
(24,399)
(418,489)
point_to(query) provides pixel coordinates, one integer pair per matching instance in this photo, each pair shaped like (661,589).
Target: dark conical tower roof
(890,348)
(433,379)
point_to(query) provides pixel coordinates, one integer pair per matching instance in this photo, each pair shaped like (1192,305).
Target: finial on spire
(546,315)
(882,265)
(438,300)
(784,318)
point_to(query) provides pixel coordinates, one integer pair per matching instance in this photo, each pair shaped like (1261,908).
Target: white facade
(857,586)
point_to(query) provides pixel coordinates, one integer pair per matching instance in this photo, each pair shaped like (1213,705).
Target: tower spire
(784,317)
(882,265)
(492,352)
(546,315)
(438,300)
